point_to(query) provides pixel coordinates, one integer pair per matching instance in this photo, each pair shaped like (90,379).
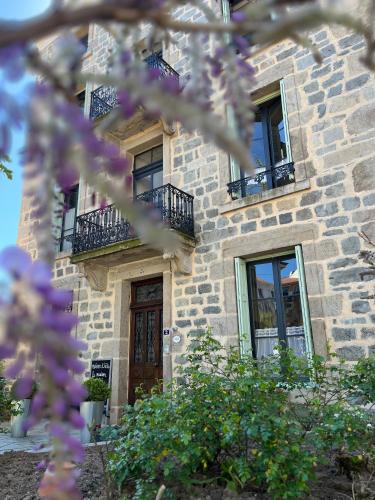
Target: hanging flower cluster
(63,145)
(36,333)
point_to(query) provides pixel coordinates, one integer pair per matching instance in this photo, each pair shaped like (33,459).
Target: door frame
(144,307)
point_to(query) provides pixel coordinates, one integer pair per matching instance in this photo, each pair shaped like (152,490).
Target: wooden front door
(146,351)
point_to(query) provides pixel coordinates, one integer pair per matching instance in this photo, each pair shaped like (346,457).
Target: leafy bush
(97,389)
(249,424)
(5,399)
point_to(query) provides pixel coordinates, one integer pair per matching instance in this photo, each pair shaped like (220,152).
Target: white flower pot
(17,421)
(92,412)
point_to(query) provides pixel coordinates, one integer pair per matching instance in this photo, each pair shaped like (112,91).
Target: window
(65,240)
(81,96)
(84,41)
(148,170)
(235,5)
(272,305)
(276,314)
(269,149)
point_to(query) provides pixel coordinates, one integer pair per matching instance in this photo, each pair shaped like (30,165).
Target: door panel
(146,353)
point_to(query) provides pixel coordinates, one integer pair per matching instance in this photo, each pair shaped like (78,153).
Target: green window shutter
(225,7)
(244,328)
(304,301)
(285,116)
(235,171)
(57,215)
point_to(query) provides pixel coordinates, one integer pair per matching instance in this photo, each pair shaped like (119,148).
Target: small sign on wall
(101,368)
(167,331)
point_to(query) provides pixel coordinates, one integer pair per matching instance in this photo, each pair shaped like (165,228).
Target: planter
(92,412)
(17,421)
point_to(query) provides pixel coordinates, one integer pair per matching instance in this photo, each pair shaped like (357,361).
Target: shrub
(97,389)
(248,424)
(5,399)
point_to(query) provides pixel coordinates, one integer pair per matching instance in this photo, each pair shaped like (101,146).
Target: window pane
(276,315)
(144,184)
(150,292)
(157,154)
(138,337)
(259,143)
(142,160)
(264,308)
(277,130)
(262,281)
(158,179)
(295,333)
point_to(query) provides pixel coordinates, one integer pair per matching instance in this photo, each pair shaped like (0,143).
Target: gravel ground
(19,481)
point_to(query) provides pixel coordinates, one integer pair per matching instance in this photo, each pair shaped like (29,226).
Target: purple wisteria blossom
(36,332)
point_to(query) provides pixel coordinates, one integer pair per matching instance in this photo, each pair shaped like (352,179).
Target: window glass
(295,334)
(275,306)
(157,154)
(259,143)
(277,133)
(143,184)
(81,99)
(148,168)
(157,179)
(149,292)
(142,160)
(263,308)
(148,157)
(68,221)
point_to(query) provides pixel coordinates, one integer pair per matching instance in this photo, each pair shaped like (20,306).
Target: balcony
(262,181)
(104,99)
(105,227)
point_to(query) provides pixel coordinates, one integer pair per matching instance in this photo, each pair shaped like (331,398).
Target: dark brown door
(146,352)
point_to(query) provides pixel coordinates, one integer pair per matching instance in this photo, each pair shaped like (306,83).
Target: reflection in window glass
(277,133)
(148,170)
(258,145)
(68,220)
(276,306)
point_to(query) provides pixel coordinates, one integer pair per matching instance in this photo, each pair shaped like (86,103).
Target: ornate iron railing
(262,181)
(104,99)
(106,226)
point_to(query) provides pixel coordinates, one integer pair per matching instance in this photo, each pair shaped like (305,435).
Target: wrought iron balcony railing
(106,226)
(262,181)
(104,99)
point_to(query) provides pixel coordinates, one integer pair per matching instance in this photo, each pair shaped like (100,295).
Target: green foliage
(97,389)
(249,424)
(5,399)
(5,170)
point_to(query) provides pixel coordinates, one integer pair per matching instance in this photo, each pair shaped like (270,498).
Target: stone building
(262,259)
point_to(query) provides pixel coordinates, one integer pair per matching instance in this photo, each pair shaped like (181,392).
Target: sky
(11,191)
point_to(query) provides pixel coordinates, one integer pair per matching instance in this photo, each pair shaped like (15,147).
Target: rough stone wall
(331,121)
(331,116)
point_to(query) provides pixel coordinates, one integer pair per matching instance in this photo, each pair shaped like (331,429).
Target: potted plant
(92,409)
(19,410)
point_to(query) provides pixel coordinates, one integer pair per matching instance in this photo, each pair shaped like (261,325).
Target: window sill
(271,194)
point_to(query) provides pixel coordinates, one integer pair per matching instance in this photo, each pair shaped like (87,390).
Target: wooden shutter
(304,301)
(235,171)
(286,125)
(243,311)
(57,217)
(225,7)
